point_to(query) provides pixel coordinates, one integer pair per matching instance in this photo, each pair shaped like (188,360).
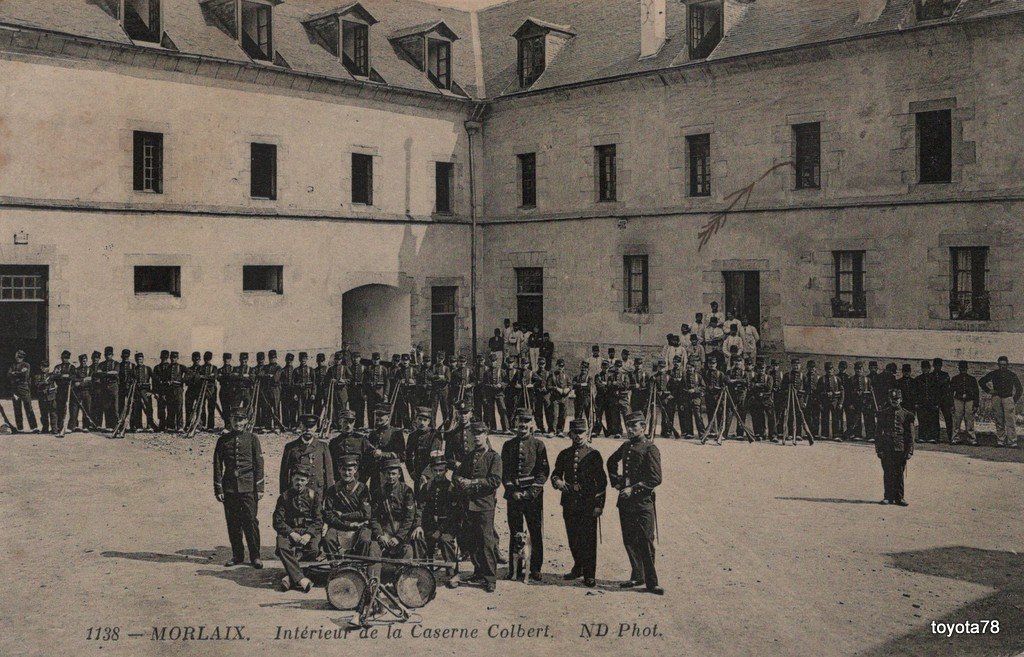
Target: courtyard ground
(763,549)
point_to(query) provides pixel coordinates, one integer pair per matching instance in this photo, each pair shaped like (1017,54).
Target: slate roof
(605,43)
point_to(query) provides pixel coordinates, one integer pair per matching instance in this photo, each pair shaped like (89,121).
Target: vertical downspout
(472,128)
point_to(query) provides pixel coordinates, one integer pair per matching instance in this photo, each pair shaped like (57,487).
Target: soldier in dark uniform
(882,382)
(860,408)
(320,382)
(440,507)
(794,413)
(944,396)
(96,390)
(376,384)
(461,386)
(347,513)
(81,396)
(404,379)
(640,385)
(142,401)
(395,515)
(388,443)
(524,473)
(635,471)
(495,383)
(761,404)
(124,378)
(458,441)
(338,378)
(690,393)
(238,482)
(579,474)
(289,398)
(44,385)
(812,404)
(270,391)
(737,382)
(895,446)
(908,387)
(966,397)
(480,393)
(927,404)
(298,521)
(714,387)
(539,396)
(109,411)
(831,400)
(349,442)
(175,393)
(227,393)
(559,387)
(477,480)
(243,381)
(160,387)
(193,383)
(843,372)
(582,387)
(306,450)
(440,379)
(208,401)
(357,390)
(64,374)
(423,441)
(662,388)
(304,385)
(19,377)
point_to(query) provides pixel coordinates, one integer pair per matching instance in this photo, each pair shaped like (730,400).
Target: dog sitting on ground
(519,556)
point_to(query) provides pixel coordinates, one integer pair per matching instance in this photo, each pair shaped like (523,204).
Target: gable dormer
(142,20)
(705,21)
(429,48)
(539,43)
(249,22)
(345,33)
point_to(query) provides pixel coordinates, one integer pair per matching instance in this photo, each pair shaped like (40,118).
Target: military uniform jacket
(761,388)
(394,511)
(340,374)
(581,384)
(20,378)
(691,386)
(304,379)
(640,464)
(124,373)
(641,381)
(376,378)
(459,444)
(582,470)
(965,388)
(737,381)
(861,390)
(66,374)
(496,380)
(81,377)
(539,383)
(483,469)
(142,376)
(560,384)
(298,512)
(461,382)
(524,467)
(357,385)
(160,377)
(810,387)
(619,384)
(882,383)
(175,375)
(908,386)
(44,385)
(714,380)
(831,391)
(108,373)
(270,375)
(439,376)
(347,506)
(795,381)
(440,505)
(352,443)
(314,454)
(238,464)
(896,432)
(418,448)
(285,377)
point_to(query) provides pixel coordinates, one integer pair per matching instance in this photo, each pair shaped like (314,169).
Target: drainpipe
(472,129)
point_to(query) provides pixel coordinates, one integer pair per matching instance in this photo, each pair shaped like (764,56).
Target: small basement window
(263,278)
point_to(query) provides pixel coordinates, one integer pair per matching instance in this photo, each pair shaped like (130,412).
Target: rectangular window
(142,20)
(442,319)
(530,297)
(635,284)
(263,278)
(158,280)
(362,179)
(606,172)
(148,162)
(356,55)
(935,146)
(969,298)
(263,172)
(849,299)
(928,10)
(807,141)
(444,184)
(705,28)
(699,154)
(18,287)
(528,179)
(257,28)
(439,63)
(531,60)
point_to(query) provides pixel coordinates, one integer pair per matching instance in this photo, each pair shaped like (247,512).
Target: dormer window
(256,35)
(141,20)
(345,33)
(931,10)
(439,62)
(531,60)
(704,28)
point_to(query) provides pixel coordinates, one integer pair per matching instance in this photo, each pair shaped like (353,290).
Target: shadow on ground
(998,570)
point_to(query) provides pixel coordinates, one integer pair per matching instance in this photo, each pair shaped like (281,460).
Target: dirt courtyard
(763,549)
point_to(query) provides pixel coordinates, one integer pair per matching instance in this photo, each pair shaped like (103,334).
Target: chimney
(652,27)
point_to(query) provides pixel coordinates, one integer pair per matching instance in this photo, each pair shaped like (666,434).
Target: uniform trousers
(581,530)
(291,554)
(480,540)
(241,512)
(638,538)
(893,466)
(22,400)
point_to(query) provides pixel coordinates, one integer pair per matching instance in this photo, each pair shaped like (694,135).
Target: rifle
(197,408)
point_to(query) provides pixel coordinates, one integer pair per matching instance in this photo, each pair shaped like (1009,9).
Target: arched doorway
(377,318)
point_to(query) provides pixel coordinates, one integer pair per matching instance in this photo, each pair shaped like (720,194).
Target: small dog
(519,556)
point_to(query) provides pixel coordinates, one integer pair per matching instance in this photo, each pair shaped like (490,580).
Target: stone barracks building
(237,175)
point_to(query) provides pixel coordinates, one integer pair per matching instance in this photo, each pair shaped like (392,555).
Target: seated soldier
(347,513)
(439,507)
(394,515)
(298,523)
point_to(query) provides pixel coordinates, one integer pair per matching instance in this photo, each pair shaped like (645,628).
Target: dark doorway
(442,320)
(743,295)
(23,316)
(530,297)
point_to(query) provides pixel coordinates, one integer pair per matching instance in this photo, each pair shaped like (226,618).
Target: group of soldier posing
(350,494)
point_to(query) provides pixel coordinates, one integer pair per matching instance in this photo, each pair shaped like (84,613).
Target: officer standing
(238,483)
(635,471)
(895,446)
(477,479)
(307,451)
(44,385)
(298,521)
(927,404)
(579,474)
(19,376)
(524,473)
(690,393)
